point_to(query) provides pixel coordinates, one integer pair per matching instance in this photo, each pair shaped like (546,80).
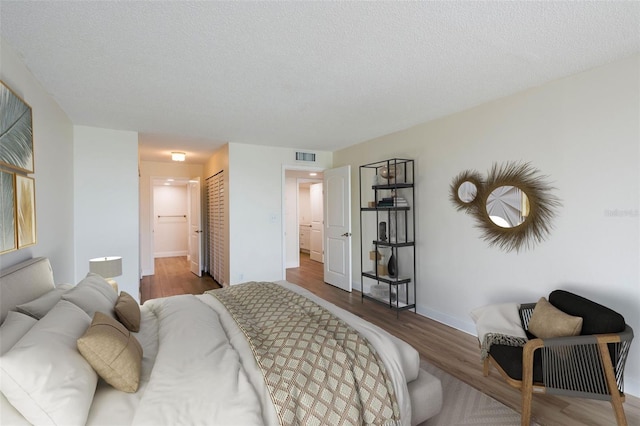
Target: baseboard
(171,253)
(631,387)
(468,327)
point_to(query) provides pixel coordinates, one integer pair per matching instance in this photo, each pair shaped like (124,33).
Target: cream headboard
(24,282)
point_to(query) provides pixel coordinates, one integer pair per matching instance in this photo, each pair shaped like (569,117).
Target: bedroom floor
(172,277)
(449,349)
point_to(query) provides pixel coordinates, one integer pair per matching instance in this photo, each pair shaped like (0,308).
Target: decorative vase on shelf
(388,172)
(382,231)
(392,267)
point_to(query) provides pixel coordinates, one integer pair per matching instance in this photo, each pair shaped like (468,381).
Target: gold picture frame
(8,235)
(26,211)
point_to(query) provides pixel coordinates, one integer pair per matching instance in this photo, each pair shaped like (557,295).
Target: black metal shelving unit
(388,190)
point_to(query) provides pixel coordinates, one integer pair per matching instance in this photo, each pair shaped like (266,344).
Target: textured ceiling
(314,75)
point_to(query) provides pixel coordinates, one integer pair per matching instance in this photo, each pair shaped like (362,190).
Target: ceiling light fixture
(313,174)
(178,156)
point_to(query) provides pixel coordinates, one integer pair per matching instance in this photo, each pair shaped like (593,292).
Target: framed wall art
(26,211)
(7,212)
(16,131)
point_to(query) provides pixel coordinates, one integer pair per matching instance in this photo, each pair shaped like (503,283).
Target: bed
(198,363)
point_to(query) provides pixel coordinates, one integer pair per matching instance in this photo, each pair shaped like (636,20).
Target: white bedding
(205,371)
(198,368)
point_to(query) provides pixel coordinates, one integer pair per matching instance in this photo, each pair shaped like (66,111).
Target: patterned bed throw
(317,368)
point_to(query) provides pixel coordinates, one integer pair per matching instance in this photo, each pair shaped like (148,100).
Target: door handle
(346,234)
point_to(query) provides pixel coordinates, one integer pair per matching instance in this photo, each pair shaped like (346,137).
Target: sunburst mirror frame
(543,204)
(468,176)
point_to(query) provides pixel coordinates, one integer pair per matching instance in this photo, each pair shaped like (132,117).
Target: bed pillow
(44,376)
(128,311)
(93,294)
(547,321)
(15,326)
(113,352)
(37,308)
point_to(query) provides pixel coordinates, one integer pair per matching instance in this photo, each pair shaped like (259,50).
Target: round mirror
(507,206)
(467,191)
(513,205)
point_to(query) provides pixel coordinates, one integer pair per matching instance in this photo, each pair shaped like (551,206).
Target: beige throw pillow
(113,352)
(547,321)
(128,311)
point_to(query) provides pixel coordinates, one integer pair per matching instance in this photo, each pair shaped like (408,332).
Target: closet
(215,227)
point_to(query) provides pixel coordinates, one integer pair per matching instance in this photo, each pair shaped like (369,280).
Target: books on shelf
(400,202)
(393,202)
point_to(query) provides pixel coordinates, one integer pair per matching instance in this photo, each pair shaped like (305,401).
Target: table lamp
(108,268)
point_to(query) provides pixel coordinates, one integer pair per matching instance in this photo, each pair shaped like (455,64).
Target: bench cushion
(596,319)
(509,358)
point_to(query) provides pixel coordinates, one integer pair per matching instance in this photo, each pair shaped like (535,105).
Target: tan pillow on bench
(547,322)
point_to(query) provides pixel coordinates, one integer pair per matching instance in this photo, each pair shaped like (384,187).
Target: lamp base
(113,284)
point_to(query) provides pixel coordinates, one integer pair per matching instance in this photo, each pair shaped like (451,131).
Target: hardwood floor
(172,277)
(451,350)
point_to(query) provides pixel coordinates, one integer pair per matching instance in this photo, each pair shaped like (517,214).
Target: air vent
(305,156)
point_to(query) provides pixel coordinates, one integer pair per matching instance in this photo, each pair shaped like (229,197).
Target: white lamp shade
(106,267)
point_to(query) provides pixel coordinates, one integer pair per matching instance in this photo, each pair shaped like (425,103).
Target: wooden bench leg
(618,409)
(527,400)
(527,380)
(485,367)
(616,399)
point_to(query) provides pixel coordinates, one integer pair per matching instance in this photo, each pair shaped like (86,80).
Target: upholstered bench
(574,347)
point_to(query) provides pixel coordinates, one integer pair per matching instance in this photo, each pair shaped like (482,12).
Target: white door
(195,228)
(337,227)
(317,215)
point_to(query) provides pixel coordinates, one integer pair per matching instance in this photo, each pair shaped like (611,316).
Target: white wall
(148,171)
(292,248)
(584,132)
(256,180)
(53,150)
(106,201)
(170,207)
(304,205)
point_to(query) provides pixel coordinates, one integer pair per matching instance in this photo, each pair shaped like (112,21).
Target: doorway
(336,226)
(303,208)
(171,205)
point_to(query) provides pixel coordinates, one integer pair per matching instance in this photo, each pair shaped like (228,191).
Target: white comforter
(198,368)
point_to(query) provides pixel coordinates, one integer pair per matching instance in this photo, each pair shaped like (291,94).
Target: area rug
(465,405)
